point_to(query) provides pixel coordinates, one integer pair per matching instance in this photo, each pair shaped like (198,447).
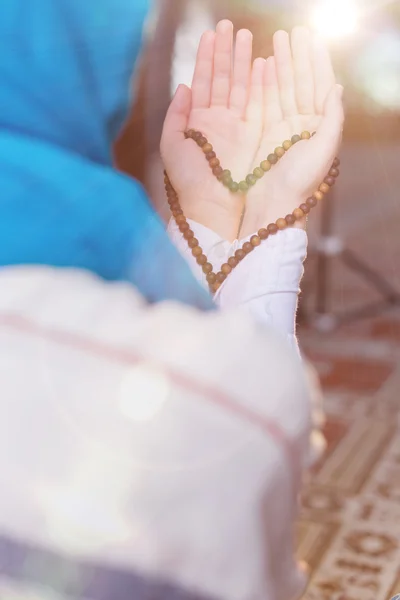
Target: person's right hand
(300,94)
(225,104)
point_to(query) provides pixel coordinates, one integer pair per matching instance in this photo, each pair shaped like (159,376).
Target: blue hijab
(65,81)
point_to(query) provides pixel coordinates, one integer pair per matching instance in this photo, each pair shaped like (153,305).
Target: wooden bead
(281,224)
(243,186)
(221,277)
(263,234)
(218,171)
(295,139)
(265,165)
(216,287)
(272,228)
(273,159)
(174,206)
(247,247)
(226,269)
(214,162)
(234,187)
(207,268)
(180,219)
(336,162)
(190,133)
(324,188)
(305,135)
(290,219)
(192,243)
(197,251)
(184,227)
(201,141)
(251,179)
(201,259)
(211,277)
(287,144)
(279,151)
(255,241)
(233,262)
(177,213)
(311,202)
(298,213)
(305,208)
(240,254)
(226,177)
(258,172)
(318,195)
(188,235)
(330,181)
(334,172)
(207,148)
(196,135)
(210,156)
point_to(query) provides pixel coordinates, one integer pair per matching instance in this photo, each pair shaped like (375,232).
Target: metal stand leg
(329,247)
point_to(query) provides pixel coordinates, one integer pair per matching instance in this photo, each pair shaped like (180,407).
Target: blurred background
(349,317)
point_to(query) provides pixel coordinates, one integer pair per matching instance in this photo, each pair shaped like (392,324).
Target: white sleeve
(265,284)
(142,440)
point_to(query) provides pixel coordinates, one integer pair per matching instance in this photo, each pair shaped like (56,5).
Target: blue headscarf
(65,84)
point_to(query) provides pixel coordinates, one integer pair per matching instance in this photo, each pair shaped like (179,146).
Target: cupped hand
(299,94)
(224,104)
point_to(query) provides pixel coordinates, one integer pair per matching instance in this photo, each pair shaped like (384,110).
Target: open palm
(222,104)
(299,94)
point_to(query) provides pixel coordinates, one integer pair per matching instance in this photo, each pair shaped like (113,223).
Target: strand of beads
(216,279)
(225,175)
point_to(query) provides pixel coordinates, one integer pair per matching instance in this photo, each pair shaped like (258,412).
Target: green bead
(234,187)
(273,159)
(295,139)
(251,179)
(258,172)
(243,186)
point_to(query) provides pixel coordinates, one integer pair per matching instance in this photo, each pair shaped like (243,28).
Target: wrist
(261,212)
(222,220)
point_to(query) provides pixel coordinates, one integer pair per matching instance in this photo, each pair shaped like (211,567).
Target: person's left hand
(225,104)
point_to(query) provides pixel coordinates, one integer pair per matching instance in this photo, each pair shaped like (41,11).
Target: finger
(303,70)
(222,76)
(176,120)
(329,133)
(203,72)
(324,76)
(255,108)
(241,72)
(273,110)
(285,73)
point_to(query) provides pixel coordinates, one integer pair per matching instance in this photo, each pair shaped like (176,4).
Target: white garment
(157,439)
(266,285)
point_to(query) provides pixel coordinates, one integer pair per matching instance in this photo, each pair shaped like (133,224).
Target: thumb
(177,118)
(329,133)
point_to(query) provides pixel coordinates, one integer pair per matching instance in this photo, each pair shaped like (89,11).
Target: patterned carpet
(349,531)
